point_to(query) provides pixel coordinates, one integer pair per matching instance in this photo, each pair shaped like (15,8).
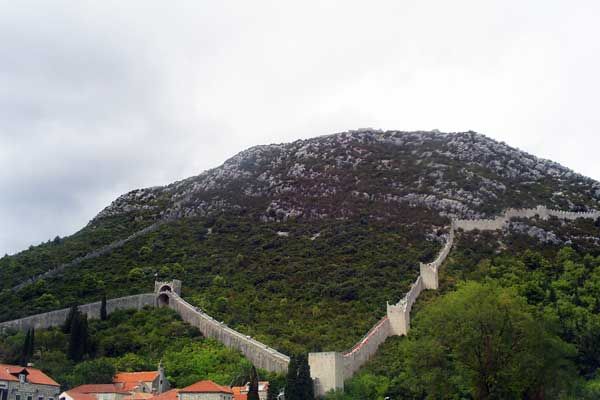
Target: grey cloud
(97,98)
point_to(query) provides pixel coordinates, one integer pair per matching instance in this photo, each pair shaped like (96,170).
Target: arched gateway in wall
(164,291)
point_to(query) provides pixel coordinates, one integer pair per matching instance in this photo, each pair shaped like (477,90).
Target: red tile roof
(138,396)
(237,393)
(206,387)
(135,377)
(34,375)
(99,388)
(80,396)
(168,395)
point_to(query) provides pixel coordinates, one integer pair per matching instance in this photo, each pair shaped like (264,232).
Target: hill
(298,244)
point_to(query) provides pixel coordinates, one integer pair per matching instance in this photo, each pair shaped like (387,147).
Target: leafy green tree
(135,274)
(490,347)
(100,370)
(47,301)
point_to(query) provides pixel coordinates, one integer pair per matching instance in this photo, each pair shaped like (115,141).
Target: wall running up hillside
(94,254)
(167,294)
(261,355)
(328,369)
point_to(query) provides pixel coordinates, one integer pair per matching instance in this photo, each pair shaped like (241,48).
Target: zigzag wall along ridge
(330,369)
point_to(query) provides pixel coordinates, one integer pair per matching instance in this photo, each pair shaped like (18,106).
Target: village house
(26,383)
(154,382)
(103,391)
(206,390)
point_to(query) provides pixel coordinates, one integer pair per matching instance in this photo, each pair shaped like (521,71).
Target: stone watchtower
(164,291)
(173,286)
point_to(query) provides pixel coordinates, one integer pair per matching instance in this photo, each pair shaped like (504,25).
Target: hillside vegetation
(301,244)
(133,341)
(291,292)
(555,282)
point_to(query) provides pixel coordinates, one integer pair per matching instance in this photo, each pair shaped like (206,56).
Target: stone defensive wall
(540,211)
(94,254)
(261,355)
(328,369)
(58,317)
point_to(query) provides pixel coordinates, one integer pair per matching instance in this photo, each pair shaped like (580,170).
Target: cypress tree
(77,340)
(253,390)
(85,335)
(273,391)
(25,349)
(291,380)
(66,328)
(31,346)
(305,382)
(103,314)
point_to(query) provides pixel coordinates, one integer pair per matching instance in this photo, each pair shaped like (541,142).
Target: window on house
(40,397)
(22,378)
(29,397)
(17,397)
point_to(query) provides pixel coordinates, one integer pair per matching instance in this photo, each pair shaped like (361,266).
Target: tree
(253,389)
(305,382)
(490,347)
(273,391)
(100,370)
(79,341)
(103,314)
(28,346)
(299,384)
(66,328)
(291,381)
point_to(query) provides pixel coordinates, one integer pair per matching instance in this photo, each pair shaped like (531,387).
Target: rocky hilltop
(464,175)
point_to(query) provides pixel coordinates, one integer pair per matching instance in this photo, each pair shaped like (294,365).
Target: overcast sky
(98,98)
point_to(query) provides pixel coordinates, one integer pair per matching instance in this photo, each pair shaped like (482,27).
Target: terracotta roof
(131,377)
(80,396)
(34,375)
(99,388)
(138,396)
(168,395)
(129,386)
(206,387)
(237,393)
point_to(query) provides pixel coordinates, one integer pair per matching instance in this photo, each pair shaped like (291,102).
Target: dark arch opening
(165,288)
(163,300)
